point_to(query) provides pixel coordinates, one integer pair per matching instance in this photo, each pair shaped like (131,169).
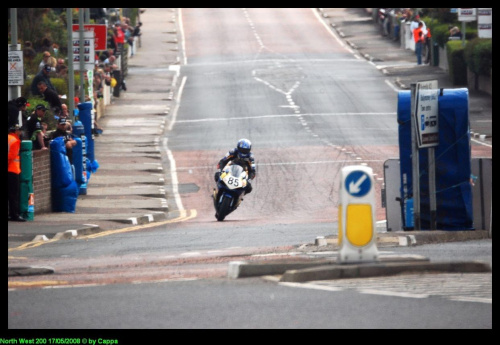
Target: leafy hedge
(441,32)
(478,54)
(456,63)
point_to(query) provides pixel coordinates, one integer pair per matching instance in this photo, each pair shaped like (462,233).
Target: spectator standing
(455,33)
(137,29)
(43,75)
(28,52)
(64,111)
(418,36)
(60,62)
(15,106)
(14,170)
(45,60)
(34,127)
(119,37)
(50,96)
(52,62)
(110,60)
(46,45)
(45,135)
(62,71)
(65,115)
(69,142)
(55,48)
(414,25)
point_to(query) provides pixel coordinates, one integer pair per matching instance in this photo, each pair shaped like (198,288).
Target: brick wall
(42,181)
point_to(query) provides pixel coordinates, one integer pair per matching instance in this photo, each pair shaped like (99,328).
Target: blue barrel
(64,187)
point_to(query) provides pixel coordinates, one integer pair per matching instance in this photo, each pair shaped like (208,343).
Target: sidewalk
(128,188)
(356,27)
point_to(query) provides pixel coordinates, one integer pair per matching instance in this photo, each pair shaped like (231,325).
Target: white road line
(312,286)
(177,104)
(480,142)
(289,163)
(285,115)
(391,85)
(183,41)
(392,293)
(173,173)
(331,31)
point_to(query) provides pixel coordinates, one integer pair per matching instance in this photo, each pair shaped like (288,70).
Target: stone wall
(42,185)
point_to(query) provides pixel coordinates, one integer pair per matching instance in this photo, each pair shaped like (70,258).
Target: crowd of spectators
(34,126)
(53,64)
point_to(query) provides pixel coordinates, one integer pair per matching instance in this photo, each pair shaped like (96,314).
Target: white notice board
(427,113)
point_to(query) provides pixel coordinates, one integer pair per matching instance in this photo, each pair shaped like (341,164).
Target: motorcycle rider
(240,155)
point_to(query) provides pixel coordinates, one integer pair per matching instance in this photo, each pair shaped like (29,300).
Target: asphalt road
(310,107)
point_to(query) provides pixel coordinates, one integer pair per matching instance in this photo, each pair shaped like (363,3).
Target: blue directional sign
(358,183)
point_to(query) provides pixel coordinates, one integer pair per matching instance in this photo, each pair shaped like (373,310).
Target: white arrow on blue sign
(358,183)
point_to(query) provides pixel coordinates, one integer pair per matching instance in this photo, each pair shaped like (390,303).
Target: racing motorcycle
(230,190)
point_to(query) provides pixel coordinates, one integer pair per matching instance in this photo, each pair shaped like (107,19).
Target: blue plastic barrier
(87,119)
(64,187)
(85,116)
(453,161)
(79,161)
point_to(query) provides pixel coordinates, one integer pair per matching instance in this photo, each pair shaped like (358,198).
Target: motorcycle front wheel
(223,209)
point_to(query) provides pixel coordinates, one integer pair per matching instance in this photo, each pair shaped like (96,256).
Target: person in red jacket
(14,170)
(418,36)
(119,37)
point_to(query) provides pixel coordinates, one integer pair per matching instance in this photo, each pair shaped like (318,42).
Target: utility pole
(14,90)
(71,70)
(82,62)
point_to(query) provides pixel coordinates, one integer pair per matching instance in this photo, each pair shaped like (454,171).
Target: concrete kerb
(381,269)
(69,234)
(28,270)
(93,229)
(413,238)
(314,269)
(325,269)
(239,269)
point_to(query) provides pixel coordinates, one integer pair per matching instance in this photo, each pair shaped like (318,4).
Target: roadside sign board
(358,183)
(485,22)
(427,113)
(88,50)
(101,35)
(15,67)
(466,14)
